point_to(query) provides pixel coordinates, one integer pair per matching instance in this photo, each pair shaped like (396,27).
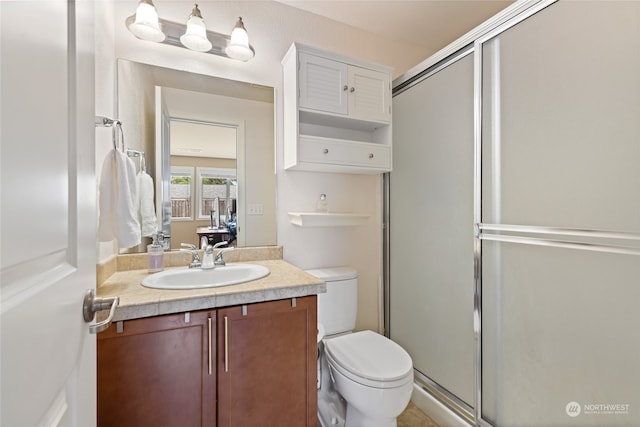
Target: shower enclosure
(514,218)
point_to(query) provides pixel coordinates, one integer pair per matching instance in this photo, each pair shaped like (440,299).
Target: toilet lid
(370,356)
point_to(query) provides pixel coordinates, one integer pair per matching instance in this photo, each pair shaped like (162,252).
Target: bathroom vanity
(241,355)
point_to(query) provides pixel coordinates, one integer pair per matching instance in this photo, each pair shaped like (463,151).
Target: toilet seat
(370,359)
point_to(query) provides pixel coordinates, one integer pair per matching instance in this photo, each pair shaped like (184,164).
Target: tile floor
(414,417)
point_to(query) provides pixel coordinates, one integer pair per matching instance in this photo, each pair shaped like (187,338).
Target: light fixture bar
(174,30)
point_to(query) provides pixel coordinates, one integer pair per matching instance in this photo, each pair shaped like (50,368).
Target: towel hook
(143,163)
(140,154)
(116,126)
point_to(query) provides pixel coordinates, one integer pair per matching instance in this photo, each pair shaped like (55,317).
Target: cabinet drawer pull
(226,344)
(209,339)
(325,151)
(371,155)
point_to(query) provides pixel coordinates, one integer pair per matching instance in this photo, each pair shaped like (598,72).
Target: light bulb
(238,47)
(146,25)
(195,37)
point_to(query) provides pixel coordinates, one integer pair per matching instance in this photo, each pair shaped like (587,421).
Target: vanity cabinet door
(158,371)
(267,364)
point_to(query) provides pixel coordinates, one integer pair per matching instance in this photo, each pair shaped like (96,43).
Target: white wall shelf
(321,219)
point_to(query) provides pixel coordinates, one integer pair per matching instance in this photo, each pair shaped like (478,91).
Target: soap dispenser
(156,252)
(322,205)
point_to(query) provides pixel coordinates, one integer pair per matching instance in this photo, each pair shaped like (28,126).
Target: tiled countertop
(136,301)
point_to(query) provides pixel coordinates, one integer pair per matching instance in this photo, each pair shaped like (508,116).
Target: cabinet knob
(371,155)
(353,89)
(326,151)
(345,87)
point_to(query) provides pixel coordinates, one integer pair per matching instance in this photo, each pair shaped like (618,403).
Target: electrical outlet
(254,209)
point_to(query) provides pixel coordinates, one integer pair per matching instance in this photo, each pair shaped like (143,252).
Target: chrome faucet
(207,259)
(195,258)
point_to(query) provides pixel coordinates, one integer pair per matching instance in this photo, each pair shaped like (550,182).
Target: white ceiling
(430,24)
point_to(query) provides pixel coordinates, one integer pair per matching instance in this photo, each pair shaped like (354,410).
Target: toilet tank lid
(331,274)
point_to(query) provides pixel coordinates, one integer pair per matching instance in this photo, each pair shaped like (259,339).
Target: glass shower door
(560,227)
(431,224)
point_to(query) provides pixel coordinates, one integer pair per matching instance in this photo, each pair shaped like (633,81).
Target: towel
(145,206)
(117,203)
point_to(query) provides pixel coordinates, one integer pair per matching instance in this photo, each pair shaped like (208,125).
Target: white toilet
(365,379)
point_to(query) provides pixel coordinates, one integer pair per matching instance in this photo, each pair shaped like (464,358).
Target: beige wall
(272,27)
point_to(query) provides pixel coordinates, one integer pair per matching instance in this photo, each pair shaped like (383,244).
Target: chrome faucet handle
(219,262)
(193,250)
(217,245)
(189,246)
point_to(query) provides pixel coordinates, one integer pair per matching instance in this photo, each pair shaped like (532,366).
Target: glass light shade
(195,37)
(146,25)
(238,47)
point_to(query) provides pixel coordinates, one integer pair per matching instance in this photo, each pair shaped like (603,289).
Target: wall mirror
(208,144)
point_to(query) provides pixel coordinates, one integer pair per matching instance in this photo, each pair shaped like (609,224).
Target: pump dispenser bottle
(322,205)
(156,255)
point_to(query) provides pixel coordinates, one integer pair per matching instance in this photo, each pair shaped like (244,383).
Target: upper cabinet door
(323,84)
(369,95)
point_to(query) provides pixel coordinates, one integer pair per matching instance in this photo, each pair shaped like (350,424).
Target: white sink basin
(197,278)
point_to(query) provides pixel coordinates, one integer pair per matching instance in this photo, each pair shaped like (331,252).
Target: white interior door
(48,215)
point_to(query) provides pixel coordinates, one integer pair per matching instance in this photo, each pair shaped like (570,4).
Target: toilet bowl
(365,379)
(373,374)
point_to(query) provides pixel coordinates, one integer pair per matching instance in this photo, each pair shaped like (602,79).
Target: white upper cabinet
(337,113)
(336,87)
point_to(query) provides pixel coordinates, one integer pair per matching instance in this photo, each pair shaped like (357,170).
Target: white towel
(146,208)
(118,218)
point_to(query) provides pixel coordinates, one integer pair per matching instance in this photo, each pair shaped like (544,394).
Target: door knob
(92,304)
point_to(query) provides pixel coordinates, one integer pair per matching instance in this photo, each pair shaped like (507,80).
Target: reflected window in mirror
(181,193)
(217,184)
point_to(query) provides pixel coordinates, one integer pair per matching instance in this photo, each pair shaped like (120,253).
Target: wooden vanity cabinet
(267,367)
(240,366)
(158,371)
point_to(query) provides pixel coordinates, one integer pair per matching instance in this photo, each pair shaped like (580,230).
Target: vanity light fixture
(195,38)
(238,47)
(146,25)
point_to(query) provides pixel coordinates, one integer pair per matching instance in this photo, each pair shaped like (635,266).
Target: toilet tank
(338,307)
